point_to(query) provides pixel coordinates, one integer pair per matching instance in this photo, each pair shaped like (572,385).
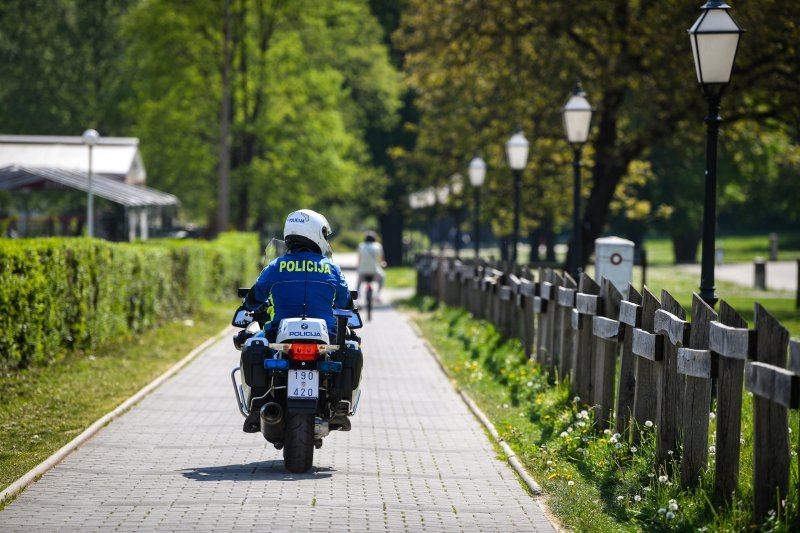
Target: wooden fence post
(630,316)
(647,346)
(554,335)
(670,323)
(583,347)
(545,317)
(606,330)
(512,308)
(731,344)
(504,299)
(527,290)
(698,367)
(566,302)
(768,380)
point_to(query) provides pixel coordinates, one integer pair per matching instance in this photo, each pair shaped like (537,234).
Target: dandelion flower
(618,445)
(712,415)
(637,498)
(673,506)
(670,452)
(607,431)
(549,463)
(576,399)
(564,434)
(569,429)
(712,449)
(585,452)
(620,498)
(580,423)
(530,384)
(646,489)
(505,406)
(617,435)
(570,482)
(612,440)
(662,479)
(648,423)
(670,515)
(634,449)
(662,511)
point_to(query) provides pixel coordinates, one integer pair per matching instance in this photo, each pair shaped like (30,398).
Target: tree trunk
(223,186)
(684,245)
(391,225)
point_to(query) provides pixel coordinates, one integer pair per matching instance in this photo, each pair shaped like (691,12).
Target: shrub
(62,294)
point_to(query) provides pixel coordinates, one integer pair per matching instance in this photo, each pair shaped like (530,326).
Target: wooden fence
(637,358)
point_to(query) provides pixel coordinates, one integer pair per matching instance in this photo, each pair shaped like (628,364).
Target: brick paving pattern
(416,460)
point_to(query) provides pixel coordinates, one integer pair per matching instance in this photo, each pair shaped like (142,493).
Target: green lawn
(400,278)
(735,249)
(43,408)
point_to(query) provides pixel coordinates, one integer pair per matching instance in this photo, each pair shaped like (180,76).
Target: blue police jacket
(302,277)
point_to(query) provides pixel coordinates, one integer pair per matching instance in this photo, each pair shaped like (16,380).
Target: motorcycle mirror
(354,322)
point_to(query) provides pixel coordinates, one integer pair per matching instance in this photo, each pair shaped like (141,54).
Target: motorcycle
(299,388)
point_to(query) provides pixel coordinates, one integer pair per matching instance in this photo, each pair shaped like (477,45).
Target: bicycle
(368,279)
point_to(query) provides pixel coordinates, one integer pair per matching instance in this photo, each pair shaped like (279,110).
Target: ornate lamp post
(517,153)
(90,138)
(577,114)
(715,40)
(477,173)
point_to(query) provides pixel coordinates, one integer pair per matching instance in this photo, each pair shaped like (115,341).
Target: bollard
(760,278)
(773,246)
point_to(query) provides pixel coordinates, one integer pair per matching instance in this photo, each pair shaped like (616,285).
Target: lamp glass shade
(517,151)
(442,194)
(477,171)
(90,137)
(715,40)
(577,115)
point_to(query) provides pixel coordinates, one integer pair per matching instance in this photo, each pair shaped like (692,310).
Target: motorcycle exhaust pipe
(272,424)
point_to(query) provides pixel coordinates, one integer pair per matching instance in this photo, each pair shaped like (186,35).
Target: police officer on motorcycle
(303,282)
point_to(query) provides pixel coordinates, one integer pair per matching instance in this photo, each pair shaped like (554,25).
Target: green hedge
(63,294)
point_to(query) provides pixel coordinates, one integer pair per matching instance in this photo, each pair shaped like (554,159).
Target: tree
(59,61)
(306,82)
(482,66)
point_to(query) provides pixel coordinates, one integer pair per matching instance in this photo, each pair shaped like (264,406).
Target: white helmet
(310,225)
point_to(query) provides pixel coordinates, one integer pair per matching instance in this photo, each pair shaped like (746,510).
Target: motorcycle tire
(298,450)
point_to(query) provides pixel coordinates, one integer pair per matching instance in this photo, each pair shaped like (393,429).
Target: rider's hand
(242,318)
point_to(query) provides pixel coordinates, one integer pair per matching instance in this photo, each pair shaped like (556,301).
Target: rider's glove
(242,318)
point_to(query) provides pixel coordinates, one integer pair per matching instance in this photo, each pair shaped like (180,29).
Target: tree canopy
(482,68)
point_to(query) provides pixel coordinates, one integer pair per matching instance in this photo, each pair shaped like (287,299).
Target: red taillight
(303,352)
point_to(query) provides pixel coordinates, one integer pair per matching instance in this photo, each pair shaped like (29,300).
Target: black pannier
(346,381)
(252,365)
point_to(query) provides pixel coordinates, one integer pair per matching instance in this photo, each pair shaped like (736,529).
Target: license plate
(303,384)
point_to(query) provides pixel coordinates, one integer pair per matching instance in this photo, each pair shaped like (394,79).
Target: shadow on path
(261,471)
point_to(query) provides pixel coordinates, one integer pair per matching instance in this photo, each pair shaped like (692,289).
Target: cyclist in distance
(371,262)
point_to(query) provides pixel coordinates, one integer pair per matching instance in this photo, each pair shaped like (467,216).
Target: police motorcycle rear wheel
(298,450)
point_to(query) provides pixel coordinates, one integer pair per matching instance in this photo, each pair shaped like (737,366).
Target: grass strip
(591,482)
(44,407)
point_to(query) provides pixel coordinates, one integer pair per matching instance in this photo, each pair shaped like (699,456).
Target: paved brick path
(416,460)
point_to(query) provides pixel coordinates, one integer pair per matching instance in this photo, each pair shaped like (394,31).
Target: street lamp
(577,114)
(90,138)
(477,173)
(715,40)
(517,153)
